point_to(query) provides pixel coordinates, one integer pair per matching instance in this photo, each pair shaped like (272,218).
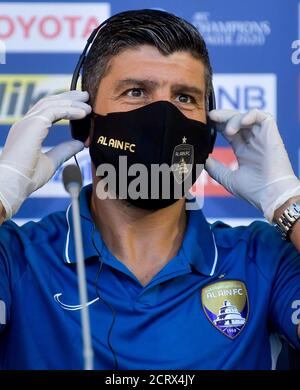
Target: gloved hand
(264,177)
(23,166)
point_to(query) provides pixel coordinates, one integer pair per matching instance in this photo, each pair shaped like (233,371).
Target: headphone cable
(76,161)
(113,311)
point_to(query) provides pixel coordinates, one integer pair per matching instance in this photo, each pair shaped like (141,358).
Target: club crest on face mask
(182,161)
(150,156)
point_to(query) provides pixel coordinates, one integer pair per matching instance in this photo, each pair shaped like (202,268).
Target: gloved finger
(232,119)
(82,105)
(27,135)
(257,120)
(74,95)
(69,95)
(63,152)
(51,115)
(57,103)
(221,117)
(254,117)
(234,125)
(63,98)
(229,126)
(264,130)
(229,122)
(219,172)
(236,133)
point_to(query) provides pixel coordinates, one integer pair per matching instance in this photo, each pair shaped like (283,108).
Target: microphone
(72,180)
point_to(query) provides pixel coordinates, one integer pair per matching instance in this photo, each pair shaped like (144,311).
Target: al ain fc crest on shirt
(226,305)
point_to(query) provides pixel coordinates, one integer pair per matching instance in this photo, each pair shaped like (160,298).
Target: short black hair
(165,31)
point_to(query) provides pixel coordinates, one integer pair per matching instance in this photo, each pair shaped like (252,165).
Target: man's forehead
(150,53)
(146,66)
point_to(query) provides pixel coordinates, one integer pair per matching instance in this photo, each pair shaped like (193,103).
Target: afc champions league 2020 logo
(226,305)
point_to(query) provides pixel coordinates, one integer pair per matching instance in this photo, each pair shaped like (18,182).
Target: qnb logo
(296,313)
(2,313)
(295,58)
(2,52)
(244,92)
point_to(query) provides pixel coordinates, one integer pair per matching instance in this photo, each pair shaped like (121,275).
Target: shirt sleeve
(10,267)
(285,295)
(5,296)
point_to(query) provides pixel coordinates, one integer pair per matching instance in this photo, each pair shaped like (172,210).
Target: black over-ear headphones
(80,128)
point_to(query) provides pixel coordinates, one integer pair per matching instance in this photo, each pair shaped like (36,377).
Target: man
(166,290)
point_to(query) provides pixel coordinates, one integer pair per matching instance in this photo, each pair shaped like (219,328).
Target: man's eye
(135,92)
(184,99)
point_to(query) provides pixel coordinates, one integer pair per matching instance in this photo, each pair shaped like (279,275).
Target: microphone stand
(73,187)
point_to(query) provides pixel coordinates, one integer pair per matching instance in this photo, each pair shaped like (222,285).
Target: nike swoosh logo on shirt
(72,307)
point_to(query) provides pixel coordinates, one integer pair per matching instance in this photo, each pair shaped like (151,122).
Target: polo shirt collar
(198,247)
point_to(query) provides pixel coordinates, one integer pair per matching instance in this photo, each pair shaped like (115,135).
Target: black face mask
(157,133)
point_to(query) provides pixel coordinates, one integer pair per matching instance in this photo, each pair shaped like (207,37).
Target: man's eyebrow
(185,88)
(152,84)
(139,83)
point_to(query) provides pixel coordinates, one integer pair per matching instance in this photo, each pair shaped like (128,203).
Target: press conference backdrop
(255,52)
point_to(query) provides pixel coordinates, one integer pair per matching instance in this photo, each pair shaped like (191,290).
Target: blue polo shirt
(213,306)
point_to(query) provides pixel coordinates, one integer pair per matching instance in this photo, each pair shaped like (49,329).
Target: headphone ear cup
(80,128)
(213,136)
(213,133)
(213,130)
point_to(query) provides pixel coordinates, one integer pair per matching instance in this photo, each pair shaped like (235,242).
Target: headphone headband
(80,128)
(82,57)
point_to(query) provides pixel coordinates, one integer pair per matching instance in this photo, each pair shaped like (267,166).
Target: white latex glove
(23,166)
(264,177)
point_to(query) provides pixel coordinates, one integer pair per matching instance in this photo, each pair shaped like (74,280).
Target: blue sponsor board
(250,45)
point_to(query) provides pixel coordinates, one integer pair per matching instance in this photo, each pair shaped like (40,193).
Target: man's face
(140,76)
